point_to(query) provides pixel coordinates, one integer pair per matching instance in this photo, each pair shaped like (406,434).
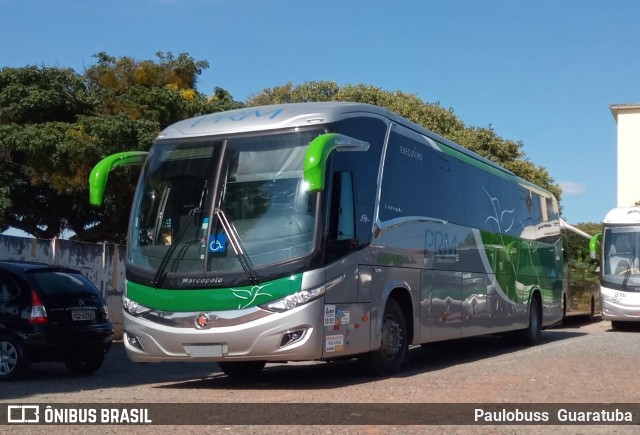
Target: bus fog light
(133,341)
(291,337)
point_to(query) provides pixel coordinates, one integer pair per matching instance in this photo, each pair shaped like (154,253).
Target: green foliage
(36,95)
(56,124)
(591,228)
(483,141)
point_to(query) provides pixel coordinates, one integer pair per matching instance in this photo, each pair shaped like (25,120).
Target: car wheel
(13,362)
(85,364)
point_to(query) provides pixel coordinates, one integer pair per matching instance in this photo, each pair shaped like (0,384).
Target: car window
(9,288)
(56,282)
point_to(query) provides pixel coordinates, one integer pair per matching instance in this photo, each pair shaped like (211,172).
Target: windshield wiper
(196,213)
(238,247)
(161,274)
(632,266)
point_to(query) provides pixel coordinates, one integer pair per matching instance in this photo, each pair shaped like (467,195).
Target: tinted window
(419,180)
(364,167)
(9,288)
(500,205)
(341,231)
(373,131)
(52,282)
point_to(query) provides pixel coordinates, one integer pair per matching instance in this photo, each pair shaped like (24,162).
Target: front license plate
(79,316)
(204,350)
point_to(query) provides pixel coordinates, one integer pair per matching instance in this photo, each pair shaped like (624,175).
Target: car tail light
(38,312)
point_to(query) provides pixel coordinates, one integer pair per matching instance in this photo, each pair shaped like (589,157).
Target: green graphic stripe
(218,299)
(520,265)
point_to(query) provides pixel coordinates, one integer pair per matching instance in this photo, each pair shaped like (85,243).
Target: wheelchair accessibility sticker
(218,243)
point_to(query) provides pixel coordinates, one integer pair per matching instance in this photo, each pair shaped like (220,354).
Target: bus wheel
(85,363)
(592,311)
(531,335)
(393,349)
(242,369)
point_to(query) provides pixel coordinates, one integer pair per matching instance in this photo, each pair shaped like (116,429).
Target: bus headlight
(133,308)
(301,297)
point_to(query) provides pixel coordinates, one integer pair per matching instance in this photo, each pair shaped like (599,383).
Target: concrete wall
(102,263)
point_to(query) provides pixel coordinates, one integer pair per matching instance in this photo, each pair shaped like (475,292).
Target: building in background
(628,119)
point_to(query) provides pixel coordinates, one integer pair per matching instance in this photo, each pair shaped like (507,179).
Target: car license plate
(79,316)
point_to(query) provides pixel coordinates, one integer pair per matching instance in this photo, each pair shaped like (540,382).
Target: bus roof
(293,115)
(268,118)
(623,215)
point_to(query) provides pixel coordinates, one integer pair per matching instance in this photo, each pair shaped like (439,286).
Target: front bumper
(242,335)
(620,305)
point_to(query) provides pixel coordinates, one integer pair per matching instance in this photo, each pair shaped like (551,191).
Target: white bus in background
(619,247)
(581,284)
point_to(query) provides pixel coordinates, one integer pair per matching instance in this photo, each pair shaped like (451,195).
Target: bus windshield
(255,183)
(621,252)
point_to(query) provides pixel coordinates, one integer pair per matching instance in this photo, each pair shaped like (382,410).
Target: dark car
(50,313)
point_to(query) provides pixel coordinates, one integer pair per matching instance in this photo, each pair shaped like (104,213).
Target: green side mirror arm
(315,159)
(100,172)
(594,245)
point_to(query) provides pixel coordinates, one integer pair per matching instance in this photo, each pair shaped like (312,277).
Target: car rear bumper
(55,344)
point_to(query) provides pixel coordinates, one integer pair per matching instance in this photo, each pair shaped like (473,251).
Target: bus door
(347,308)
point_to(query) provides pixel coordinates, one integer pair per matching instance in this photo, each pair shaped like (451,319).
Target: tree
(434,117)
(56,124)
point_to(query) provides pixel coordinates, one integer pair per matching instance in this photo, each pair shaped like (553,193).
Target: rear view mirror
(315,160)
(100,172)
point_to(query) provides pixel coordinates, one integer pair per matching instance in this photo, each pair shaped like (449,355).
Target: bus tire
(394,348)
(241,369)
(532,334)
(85,363)
(617,325)
(592,310)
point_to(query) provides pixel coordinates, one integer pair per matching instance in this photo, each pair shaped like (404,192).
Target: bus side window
(341,230)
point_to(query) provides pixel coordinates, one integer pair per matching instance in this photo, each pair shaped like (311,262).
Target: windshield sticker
(218,243)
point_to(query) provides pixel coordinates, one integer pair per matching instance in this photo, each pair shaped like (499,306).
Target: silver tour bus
(319,231)
(619,249)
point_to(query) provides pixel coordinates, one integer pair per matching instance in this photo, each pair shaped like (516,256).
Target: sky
(540,72)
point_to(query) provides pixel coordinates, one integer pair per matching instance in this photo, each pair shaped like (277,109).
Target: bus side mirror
(315,159)
(594,247)
(100,172)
